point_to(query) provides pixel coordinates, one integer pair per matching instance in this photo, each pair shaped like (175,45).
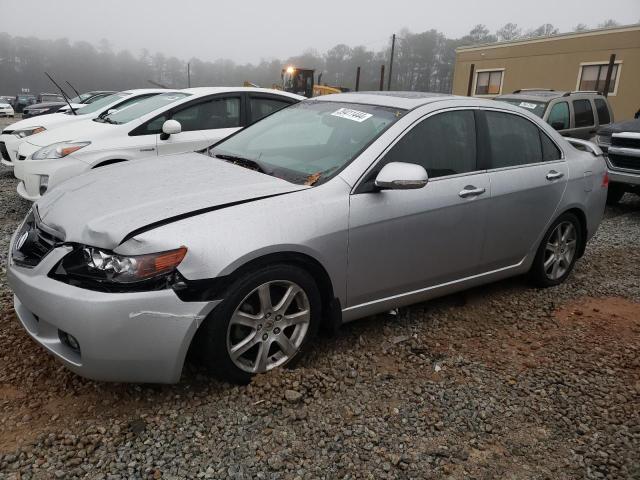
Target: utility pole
(382,77)
(189,74)
(358,79)
(607,82)
(393,49)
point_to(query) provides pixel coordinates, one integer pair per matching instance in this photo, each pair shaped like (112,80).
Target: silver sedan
(325,212)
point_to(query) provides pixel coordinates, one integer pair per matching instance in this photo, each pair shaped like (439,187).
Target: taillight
(605,180)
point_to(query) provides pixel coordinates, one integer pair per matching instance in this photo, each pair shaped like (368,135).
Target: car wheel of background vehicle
(266,321)
(558,251)
(614,193)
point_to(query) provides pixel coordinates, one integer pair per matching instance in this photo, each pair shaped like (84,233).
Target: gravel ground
(503,381)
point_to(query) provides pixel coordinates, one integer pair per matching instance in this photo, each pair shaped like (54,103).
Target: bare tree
(510,31)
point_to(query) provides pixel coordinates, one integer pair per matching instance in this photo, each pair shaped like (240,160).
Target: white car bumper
(6,112)
(34,174)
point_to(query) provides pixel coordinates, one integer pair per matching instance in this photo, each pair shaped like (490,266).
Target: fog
(251,30)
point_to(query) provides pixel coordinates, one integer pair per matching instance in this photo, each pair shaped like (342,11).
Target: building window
(594,76)
(489,82)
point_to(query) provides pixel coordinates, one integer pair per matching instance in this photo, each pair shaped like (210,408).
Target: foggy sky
(251,30)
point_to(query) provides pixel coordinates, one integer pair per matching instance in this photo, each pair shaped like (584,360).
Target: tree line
(423,61)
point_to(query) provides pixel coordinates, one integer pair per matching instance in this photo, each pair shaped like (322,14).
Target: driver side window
(444,144)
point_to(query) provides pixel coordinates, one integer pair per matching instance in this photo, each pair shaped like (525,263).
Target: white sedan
(15,134)
(177,122)
(6,110)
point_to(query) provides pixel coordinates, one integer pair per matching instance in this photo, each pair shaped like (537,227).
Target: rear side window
(550,151)
(583,113)
(559,116)
(512,140)
(261,107)
(444,144)
(603,111)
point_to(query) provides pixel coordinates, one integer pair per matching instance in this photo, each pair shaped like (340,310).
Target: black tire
(615,193)
(211,340)
(537,274)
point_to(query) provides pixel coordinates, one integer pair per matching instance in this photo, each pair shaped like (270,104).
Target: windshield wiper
(243,162)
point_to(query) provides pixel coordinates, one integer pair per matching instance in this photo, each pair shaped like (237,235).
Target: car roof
(213,90)
(149,90)
(403,100)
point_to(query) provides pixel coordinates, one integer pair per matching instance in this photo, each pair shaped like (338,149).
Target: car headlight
(94,265)
(58,150)
(27,132)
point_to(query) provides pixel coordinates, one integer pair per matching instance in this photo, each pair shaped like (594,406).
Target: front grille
(4,152)
(622,161)
(33,242)
(625,142)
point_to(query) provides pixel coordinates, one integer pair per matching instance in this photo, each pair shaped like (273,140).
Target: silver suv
(573,114)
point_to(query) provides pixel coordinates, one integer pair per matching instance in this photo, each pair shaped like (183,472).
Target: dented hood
(103,206)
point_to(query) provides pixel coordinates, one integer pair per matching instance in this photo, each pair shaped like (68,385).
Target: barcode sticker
(531,106)
(350,114)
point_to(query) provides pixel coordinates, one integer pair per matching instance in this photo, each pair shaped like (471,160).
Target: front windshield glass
(532,105)
(99,104)
(148,105)
(309,142)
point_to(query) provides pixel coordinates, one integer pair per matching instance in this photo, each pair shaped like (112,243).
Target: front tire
(266,321)
(558,251)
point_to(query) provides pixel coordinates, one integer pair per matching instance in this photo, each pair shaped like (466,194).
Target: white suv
(176,122)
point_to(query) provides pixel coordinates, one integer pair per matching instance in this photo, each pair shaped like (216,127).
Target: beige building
(572,61)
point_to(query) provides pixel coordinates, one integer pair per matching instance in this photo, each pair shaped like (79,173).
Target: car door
(405,240)
(203,123)
(583,119)
(528,177)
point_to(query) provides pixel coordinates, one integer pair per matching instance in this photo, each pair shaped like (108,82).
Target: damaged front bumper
(123,337)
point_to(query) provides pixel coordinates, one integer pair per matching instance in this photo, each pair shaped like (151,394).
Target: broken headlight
(90,267)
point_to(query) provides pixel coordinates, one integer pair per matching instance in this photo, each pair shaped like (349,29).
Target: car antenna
(73,88)
(61,91)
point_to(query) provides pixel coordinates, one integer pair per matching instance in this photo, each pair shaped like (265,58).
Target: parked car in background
(10,99)
(327,211)
(573,114)
(13,135)
(21,101)
(168,123)
(6,110)
(85,99)
(621,143)
(61,105)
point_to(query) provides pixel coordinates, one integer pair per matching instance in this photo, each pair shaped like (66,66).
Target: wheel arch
(331,309)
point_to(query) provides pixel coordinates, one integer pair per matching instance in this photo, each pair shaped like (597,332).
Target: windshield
(81,98)
(98,104)
(532,105)
(309,142)
(148,105)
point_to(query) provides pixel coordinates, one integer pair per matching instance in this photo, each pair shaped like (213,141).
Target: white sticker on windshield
(531,106)
(354,115)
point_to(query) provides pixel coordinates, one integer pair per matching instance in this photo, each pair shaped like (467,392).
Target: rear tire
(558,251)
(615,194)
(261,324)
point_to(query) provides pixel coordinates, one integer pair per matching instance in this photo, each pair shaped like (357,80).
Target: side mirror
(401,176)
(558,125)
(170,127)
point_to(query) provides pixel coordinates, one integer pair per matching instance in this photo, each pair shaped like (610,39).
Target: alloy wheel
(560,250)
(269,326)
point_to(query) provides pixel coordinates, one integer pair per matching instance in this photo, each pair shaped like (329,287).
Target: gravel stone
(502,381)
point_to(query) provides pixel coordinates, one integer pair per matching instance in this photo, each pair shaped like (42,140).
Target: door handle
(471,191)
(553,175)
